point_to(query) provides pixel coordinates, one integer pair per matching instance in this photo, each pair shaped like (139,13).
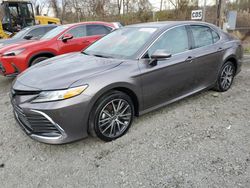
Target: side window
(78,32)
(173,41)
(47,29)
(202,36)
(216,36)
(37,33)
(97,30)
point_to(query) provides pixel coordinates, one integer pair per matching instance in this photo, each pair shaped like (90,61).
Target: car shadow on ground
(92,142)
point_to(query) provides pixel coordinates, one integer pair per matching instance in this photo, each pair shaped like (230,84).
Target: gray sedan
(129,72)
(32,32)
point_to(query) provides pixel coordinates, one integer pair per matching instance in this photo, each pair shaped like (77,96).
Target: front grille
(19,92)
(36,123)
(22,118)
(41,125)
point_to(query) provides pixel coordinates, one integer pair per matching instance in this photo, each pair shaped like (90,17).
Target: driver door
(170,78)
(77,43)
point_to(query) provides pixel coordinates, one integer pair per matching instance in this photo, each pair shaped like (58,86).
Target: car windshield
(54,32)
(122,43)
(21,33)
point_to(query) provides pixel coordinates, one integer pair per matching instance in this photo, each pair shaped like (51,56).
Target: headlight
(47,96)
(13,52)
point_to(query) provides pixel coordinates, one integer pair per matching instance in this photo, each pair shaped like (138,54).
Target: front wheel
(226,77)
(38,60)
(112,116)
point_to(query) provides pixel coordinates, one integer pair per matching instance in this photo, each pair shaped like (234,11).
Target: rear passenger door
(207,55)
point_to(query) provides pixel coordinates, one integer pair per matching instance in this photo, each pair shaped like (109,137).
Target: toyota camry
(129,72)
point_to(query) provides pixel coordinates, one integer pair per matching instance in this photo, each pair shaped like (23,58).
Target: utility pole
(220,13)
(204,11)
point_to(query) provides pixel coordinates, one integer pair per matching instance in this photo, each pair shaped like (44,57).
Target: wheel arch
(41,54)
(122,88)
(132,95)
(233,59)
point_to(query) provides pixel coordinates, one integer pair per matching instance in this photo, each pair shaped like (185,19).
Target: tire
(38,60)
(111,116)
(226,77)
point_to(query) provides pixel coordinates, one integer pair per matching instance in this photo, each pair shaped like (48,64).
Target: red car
(63,39)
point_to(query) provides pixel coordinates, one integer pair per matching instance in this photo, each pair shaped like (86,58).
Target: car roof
(163,24)
(48,25)
(92,22)
(40,26)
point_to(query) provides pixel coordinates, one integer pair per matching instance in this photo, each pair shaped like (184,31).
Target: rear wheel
(112,116)
(38,60)
(226,77)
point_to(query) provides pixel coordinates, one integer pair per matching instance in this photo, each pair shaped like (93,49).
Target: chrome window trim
(60,38)
(217,34)
(186,24)
(112,29)
(145,51)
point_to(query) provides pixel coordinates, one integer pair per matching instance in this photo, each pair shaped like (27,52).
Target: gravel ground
(201,141)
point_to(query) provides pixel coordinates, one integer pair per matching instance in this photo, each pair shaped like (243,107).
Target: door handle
(85,41)
(189,59)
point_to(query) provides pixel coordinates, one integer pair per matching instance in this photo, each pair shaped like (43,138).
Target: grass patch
(247,50)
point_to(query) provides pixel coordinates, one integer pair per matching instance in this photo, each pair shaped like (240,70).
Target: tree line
(126,11)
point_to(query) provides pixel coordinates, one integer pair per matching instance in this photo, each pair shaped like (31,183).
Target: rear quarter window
(216,36)
(97,30)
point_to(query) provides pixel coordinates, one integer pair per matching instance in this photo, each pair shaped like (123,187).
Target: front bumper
(53,122)
(54,135)
(2,69)
(8,69)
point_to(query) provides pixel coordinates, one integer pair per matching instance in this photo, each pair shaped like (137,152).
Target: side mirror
(28,37)
(159,55)
(67,37)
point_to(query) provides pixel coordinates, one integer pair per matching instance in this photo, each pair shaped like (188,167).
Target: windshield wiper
(97,55)
(84,53)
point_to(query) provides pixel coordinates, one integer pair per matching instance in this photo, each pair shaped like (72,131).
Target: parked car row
(18,54)
(129,72)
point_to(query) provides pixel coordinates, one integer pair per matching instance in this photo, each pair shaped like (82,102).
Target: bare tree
(109,10)
(119,5)
(39,6)
(55,7)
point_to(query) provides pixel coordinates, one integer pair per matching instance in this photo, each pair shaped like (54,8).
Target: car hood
(62,71)
(6,42)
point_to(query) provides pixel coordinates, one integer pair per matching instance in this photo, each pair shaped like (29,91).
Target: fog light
(2,69)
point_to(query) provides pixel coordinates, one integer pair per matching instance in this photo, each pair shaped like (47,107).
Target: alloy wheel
(114,118)
(227,76)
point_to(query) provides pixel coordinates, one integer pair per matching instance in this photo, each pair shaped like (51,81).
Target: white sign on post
(196,15)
